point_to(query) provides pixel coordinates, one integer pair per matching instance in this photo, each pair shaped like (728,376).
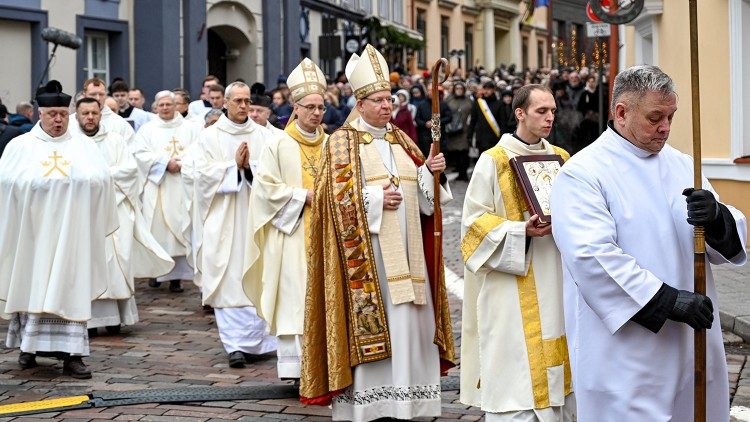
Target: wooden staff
(699,275)
(438,214)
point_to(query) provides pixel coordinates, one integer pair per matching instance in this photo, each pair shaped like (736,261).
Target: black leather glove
(702,207)
(694,309)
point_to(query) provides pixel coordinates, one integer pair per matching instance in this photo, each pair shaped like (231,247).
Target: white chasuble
(620,225)
(222,200)
(276,253)
(58,205)
(131,250)
(164,207)
(407,385)
(513,352)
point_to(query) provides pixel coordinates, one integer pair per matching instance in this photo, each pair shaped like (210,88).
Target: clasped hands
(174,165)
(242,156)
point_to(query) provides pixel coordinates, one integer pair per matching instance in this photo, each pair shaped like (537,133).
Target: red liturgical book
(535,174)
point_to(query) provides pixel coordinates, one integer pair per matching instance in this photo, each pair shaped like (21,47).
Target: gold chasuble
(508,313)
(345,322)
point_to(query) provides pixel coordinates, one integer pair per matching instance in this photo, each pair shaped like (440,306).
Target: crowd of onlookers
(463,129)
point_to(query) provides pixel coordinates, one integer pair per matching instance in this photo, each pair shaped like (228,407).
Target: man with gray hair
(626,240)
(159,149)
(225,158)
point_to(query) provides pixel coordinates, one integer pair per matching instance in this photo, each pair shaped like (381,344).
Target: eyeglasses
(384,100)
(239,101)
(312,107)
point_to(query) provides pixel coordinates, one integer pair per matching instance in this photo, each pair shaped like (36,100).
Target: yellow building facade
(660,36)
(487,32)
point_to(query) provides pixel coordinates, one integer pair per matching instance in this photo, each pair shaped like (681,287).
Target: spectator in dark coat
(485,136)
(418,95)
(456,144)
(424,123)
(507,119)
(7,132)
(332,119)
(22,120)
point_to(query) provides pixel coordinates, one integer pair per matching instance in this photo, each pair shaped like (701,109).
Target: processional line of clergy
(322,248)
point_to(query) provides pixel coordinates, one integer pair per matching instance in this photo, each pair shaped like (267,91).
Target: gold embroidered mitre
(306,79)
(367,73)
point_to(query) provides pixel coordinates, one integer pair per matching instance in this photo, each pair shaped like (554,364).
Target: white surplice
(164,206)
(221,201)
(131,250)
(276,255)
(500,344)
(407,385)
(620,225)
(58,205)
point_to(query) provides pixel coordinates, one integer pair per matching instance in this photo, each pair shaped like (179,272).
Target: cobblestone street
(176,345)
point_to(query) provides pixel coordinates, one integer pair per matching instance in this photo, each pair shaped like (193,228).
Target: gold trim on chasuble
(404,267)
(309,155)
(367,326)
(477,232)
(542,353)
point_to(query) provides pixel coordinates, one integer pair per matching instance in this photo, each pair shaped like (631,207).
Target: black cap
(507,92)
(51,95)
(258,88)
(261,100)
(489,84)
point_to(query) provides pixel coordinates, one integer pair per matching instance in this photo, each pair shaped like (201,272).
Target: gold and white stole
(405,273)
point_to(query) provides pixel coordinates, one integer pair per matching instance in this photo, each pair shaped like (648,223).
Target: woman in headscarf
(403,114)
(456,144)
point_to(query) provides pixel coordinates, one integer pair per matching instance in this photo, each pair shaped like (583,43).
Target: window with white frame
(97,55)
(384,9)
(365,6)
(398,11)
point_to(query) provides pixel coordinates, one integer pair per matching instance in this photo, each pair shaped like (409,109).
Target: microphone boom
(63,38)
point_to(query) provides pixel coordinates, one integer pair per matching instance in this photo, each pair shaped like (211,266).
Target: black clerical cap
(261,100)
(258,88)
(51,95)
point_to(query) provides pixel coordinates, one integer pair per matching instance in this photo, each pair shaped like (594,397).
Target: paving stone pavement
(176,345)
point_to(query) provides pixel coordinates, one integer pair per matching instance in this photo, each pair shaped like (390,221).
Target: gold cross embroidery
(55,164)
(175,147)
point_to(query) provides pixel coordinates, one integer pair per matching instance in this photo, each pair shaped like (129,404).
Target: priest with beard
(96,88)
(57,200)
(224,161)
(131,251)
